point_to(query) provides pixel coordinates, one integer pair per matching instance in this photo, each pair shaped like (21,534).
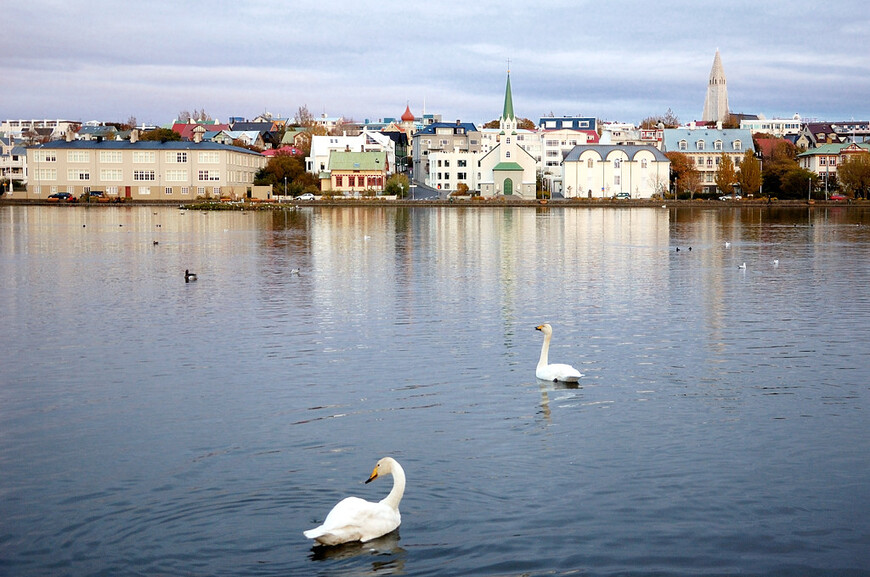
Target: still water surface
(153,427)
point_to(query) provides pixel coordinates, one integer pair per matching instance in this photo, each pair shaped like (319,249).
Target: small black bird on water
(189,276)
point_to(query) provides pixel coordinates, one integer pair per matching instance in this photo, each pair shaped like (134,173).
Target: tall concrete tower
(716,104)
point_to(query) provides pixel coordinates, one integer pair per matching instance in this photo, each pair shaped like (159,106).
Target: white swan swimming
(355,519)
(741,265)
(557,372)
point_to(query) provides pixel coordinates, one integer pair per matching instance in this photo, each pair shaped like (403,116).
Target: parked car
(729,197)
(60,195)
(96,194)
(622,195)
(838,196)
(306,196)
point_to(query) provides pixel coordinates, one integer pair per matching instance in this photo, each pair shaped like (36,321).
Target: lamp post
(760,158)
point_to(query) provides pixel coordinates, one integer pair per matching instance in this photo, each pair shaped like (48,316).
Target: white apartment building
(555,146)
(13,162)
(367,141)
(18,128)
(449,168)
(778,127)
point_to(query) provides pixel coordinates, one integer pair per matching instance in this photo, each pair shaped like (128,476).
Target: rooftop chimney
(68,135)
(134,136)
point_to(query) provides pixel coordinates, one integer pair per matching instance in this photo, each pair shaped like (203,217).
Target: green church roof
(507,166)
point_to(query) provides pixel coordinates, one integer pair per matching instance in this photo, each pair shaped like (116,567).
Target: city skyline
(368,60)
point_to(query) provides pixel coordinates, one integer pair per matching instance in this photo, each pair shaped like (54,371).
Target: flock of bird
(741,266)
(355,519)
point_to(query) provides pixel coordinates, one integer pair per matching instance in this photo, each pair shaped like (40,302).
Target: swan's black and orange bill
(374,476)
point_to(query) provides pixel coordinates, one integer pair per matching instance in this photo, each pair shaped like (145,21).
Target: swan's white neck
(395,496)
(545,349)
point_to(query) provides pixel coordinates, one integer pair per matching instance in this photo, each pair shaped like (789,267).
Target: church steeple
(716,103)
(508,120)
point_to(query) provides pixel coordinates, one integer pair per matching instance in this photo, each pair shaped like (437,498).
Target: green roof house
(352,173)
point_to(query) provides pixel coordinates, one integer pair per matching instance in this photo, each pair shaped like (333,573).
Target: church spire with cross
(716,103)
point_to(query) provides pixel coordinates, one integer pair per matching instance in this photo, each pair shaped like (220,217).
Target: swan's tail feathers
(315,533)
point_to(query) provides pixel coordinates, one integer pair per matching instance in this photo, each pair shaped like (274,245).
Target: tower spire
(508,113)
(716,103)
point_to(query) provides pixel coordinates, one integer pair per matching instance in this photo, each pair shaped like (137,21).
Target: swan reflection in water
(546,388)
(391,557)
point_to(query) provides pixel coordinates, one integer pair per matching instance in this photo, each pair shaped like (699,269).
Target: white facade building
(18,128)
(449,168)
(603,171)
(367,141)
(778,127)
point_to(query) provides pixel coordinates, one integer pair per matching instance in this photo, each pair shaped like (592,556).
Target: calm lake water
(152,427)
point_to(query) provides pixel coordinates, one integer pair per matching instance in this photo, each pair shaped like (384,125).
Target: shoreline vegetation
(469,202)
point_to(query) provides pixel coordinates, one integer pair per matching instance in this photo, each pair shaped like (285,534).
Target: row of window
(460,176)
(139,156)
(445,142)
(117,175)
(717,145)
(459,163)
(360,181)
(617,163)
(709,161)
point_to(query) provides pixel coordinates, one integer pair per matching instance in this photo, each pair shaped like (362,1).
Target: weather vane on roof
(509,65)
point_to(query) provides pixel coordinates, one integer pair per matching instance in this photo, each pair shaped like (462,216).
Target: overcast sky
(366,59)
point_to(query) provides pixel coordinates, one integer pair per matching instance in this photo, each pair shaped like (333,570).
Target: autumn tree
(797,183)
(854,174)
(684,175)
(749,176)
(306,135)
(782,161)
(303,117)
(731,121)
(522,123)
(726,175)
(290,167)
(397,185)
(669,119)
(160,134)
(186,116)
